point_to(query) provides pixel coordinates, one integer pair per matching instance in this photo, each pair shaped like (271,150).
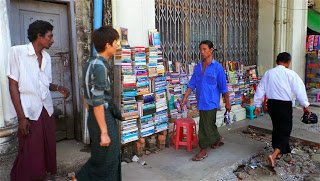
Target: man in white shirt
(30,83)
(278,84)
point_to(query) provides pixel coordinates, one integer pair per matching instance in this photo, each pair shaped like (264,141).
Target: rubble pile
(303,164)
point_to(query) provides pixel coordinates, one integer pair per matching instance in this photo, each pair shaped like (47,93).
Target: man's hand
(306,109)
(183,102)
(104,139)
(24,126)
(228,107)
(257,111)
(64,91)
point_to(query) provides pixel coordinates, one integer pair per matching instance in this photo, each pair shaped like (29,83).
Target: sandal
(197,158)
(217,144)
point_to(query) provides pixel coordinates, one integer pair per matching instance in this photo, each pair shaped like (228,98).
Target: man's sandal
(197,158)
(217,144)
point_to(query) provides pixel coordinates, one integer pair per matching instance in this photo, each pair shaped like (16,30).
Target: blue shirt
(208,85)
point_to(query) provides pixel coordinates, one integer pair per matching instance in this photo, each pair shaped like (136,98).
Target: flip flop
(197,158)
(271,161)
(217,145)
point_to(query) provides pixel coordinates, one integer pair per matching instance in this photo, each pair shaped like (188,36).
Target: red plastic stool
(179,138)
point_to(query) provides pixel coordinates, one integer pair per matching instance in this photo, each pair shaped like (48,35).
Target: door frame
(74,67)
(72,132)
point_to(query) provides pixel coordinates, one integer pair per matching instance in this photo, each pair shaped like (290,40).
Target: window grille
(232,25)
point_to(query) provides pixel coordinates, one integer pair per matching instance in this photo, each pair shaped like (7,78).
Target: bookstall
(148,90)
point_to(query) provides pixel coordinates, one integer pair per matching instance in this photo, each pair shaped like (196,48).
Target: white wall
(138,16)
(7,112)
(266,35)
(286,32)
(297,36)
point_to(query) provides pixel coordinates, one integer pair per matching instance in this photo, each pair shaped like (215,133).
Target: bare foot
(279,156)
(271,161)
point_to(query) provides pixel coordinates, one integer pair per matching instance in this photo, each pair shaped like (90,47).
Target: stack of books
(142,79)
(141,70)
(146,125)
(175,79)
(146,104)
(160,67)
(161,115)
(183,82)
(146,107)
(129,131)
(138,56)
(123,56)
(129,107)
(152,61)
(174,89)
(154,38)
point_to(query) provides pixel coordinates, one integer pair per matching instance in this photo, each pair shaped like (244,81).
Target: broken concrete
(305,161)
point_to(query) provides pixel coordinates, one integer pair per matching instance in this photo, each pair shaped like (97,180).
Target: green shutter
(314,20)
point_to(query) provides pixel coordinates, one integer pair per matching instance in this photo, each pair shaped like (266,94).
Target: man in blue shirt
(210,81)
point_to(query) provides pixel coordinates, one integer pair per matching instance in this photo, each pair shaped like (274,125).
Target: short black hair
(283,57)
(206,42)
(38,27)
(102,36)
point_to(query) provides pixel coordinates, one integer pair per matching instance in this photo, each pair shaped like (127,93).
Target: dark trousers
(104,163)
(281,116)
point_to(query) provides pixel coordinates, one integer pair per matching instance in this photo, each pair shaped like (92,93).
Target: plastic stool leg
(189,137)
(177,137)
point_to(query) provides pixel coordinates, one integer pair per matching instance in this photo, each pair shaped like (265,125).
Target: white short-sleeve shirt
(279,83)
(33,81)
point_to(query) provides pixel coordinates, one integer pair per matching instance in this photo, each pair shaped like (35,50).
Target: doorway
(23,13)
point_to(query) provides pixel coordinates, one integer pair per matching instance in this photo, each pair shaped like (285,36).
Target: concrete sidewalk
(170,164)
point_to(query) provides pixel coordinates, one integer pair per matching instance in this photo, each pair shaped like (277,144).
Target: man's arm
(185,97)
(222,85)
(191,86)
(260,93)
(15,97)
(299,89)
(100,117)
(226,98)
(64,91)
